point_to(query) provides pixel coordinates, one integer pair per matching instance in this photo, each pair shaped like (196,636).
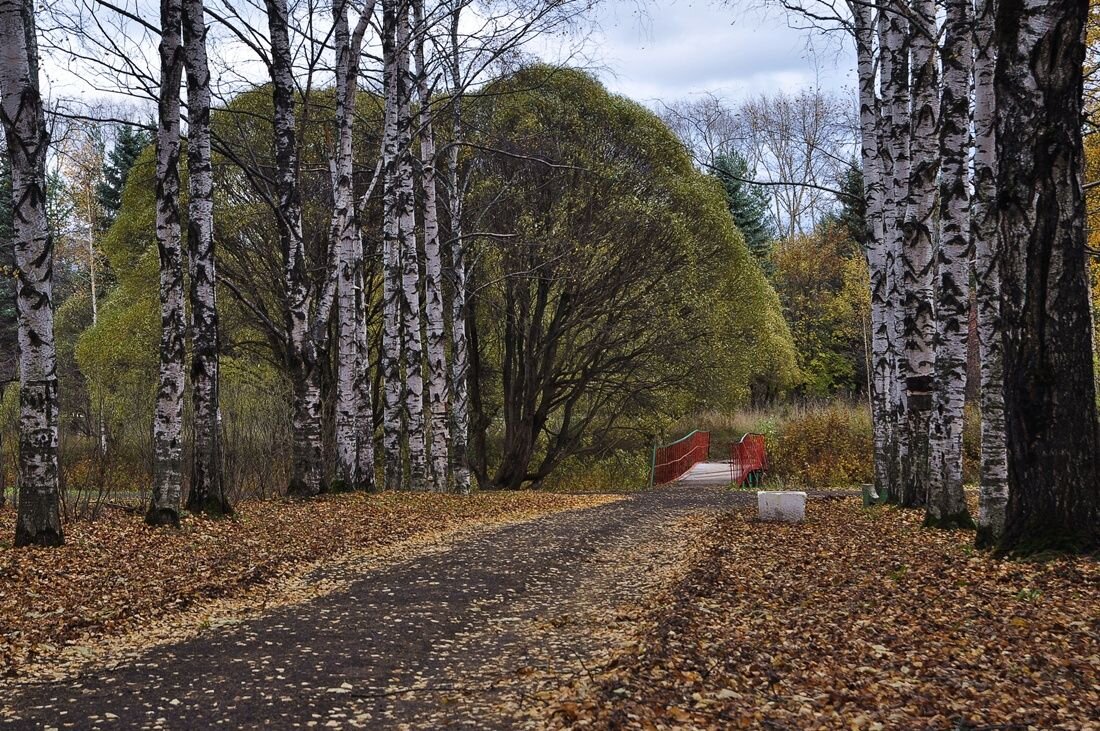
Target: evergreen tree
(747,203)
(853,204)
(129,143)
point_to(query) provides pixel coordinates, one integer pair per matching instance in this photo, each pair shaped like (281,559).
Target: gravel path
(465,638)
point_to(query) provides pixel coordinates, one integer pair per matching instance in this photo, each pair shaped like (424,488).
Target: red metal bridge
(688,458)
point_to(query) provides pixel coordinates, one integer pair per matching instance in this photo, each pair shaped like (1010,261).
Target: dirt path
(463,638)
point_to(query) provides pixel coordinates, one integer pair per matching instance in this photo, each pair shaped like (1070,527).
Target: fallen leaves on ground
(857,619)
(117,577)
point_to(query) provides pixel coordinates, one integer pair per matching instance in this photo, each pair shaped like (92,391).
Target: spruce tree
(128,145)
(747,203)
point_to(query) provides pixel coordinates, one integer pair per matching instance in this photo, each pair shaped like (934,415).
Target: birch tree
(207,490)
(993,494)
(459,310)
(894,78)
(874,244)
(168,412)
(305,325)
(946,502)
(1053,440)
(348,249)
(405,211)
(391,253)
(433,265)
(919,321)
(38,520)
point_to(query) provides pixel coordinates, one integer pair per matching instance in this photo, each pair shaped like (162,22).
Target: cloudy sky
(676,48)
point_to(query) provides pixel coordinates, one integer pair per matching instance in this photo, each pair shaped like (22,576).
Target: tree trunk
(433,268)
(873,240)
(1050,394)
(168,413)
(946,501)
(894,77)
(393,387)
(345,241)
(405,200)
(460,356)
(307,470)
(38,521)
(207,493)
(365,409)
(993,495)
(919,318)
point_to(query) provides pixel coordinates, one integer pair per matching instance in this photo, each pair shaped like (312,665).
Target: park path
(707,474)
(463,638)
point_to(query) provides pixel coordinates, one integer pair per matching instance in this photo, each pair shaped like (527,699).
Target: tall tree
(946,501)
(917,260)
(207,490)
(38,521)
(305,315)
(347,244)
(993,495)
(168,413)
(434,314)
(460,307)
(392,318)
(747,203)
(873,239)
(1050,394)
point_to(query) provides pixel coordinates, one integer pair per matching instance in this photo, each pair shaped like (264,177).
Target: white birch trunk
(874,243)
(168,412)
(405,204)
(894,77)
(917,254)
(345,241)
(946,502)
(460,354)
(207,493)
(393,387)
(433,267)
(993,495)
(38,520)
(307,474)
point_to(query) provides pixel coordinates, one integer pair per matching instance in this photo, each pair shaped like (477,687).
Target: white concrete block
(788,507)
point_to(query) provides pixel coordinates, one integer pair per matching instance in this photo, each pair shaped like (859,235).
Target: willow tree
(1053,438)
(38,521)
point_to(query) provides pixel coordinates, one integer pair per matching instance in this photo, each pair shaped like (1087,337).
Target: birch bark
(307,472)
(993,491)
(874,243)
(207,492)
(38,519)
(393,386)
(1050,394)
(946,506)
(433,268)
(348,247)
(460,351)
(168,412)
(405,204)
(917,254)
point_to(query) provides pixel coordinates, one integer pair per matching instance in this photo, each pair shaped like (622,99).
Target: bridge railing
(671,461)
(748,460)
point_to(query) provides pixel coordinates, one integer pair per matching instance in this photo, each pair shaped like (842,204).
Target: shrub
(830,446)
